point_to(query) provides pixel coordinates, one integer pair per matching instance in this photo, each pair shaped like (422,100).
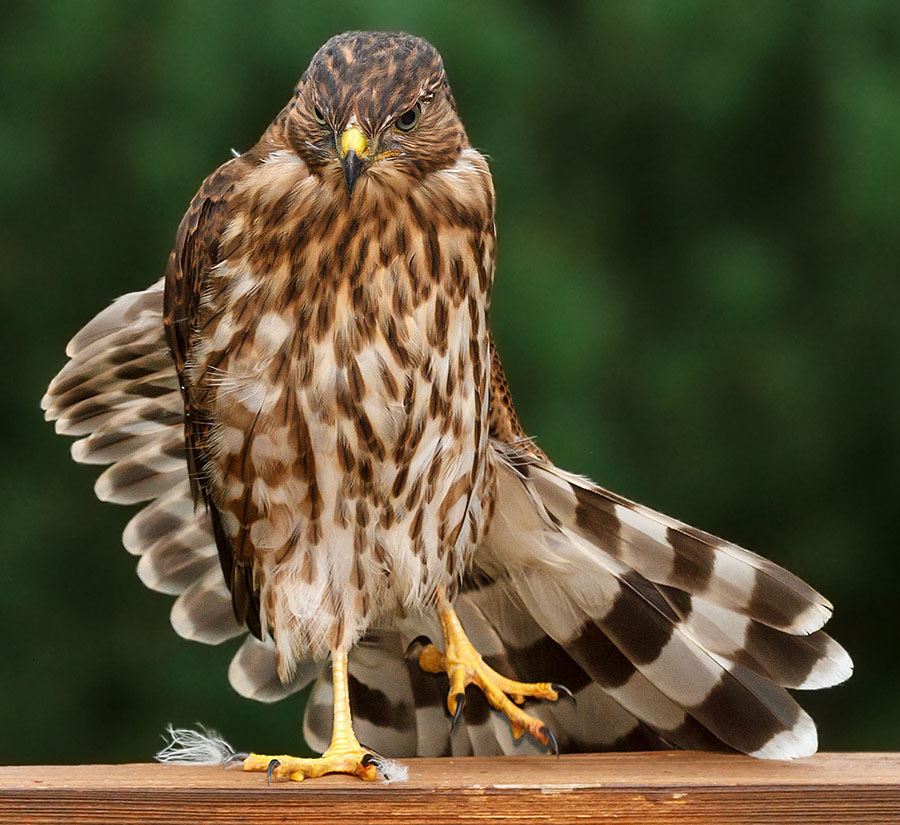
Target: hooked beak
(354,156)
(353,166)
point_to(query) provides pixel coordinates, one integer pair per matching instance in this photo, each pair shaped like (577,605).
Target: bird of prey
(312,404)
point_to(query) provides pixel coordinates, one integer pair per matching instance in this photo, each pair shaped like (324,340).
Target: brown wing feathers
(196,252)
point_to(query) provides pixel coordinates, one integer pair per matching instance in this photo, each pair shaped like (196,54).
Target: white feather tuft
(392,771)
(194,747)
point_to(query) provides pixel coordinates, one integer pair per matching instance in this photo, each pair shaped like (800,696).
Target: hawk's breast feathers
(337,371)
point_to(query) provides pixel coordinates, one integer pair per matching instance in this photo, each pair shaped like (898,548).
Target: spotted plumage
(312,406)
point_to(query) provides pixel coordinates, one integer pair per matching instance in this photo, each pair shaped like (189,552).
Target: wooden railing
(674,787)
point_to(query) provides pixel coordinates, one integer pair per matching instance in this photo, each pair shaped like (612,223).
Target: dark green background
(697,299)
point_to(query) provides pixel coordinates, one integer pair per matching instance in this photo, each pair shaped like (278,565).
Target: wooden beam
(645,788)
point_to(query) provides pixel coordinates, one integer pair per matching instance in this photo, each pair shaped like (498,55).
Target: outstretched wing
(120,393)
(693,637)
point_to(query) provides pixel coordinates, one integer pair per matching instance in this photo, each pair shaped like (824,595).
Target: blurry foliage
(697,299)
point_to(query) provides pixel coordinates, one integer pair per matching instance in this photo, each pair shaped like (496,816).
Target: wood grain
(646,788)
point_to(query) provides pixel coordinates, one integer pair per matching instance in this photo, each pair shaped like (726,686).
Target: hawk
(312,404)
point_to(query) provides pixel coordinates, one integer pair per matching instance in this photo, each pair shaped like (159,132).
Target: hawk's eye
(408,120)
(320,118)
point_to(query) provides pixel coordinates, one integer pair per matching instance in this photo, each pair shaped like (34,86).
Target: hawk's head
(373,102)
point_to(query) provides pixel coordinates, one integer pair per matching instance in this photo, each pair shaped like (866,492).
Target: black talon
(419,640)
(235,757)
(273,763)
(372,759)
(551,740)
(457,714)
(565,692)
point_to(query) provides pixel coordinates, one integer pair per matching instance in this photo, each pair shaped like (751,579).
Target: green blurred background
(697,299)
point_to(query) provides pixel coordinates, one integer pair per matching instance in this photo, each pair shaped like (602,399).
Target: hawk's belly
(352,457)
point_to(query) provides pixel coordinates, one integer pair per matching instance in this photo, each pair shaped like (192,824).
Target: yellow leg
(464,666)
(344,754)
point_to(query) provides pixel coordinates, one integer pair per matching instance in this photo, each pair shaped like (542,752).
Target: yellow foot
(353,761)
(464,666)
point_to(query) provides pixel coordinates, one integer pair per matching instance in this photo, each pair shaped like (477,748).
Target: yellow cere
(353,140)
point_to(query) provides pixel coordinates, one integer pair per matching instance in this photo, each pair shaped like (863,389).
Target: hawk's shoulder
(198,243)
(197,251)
